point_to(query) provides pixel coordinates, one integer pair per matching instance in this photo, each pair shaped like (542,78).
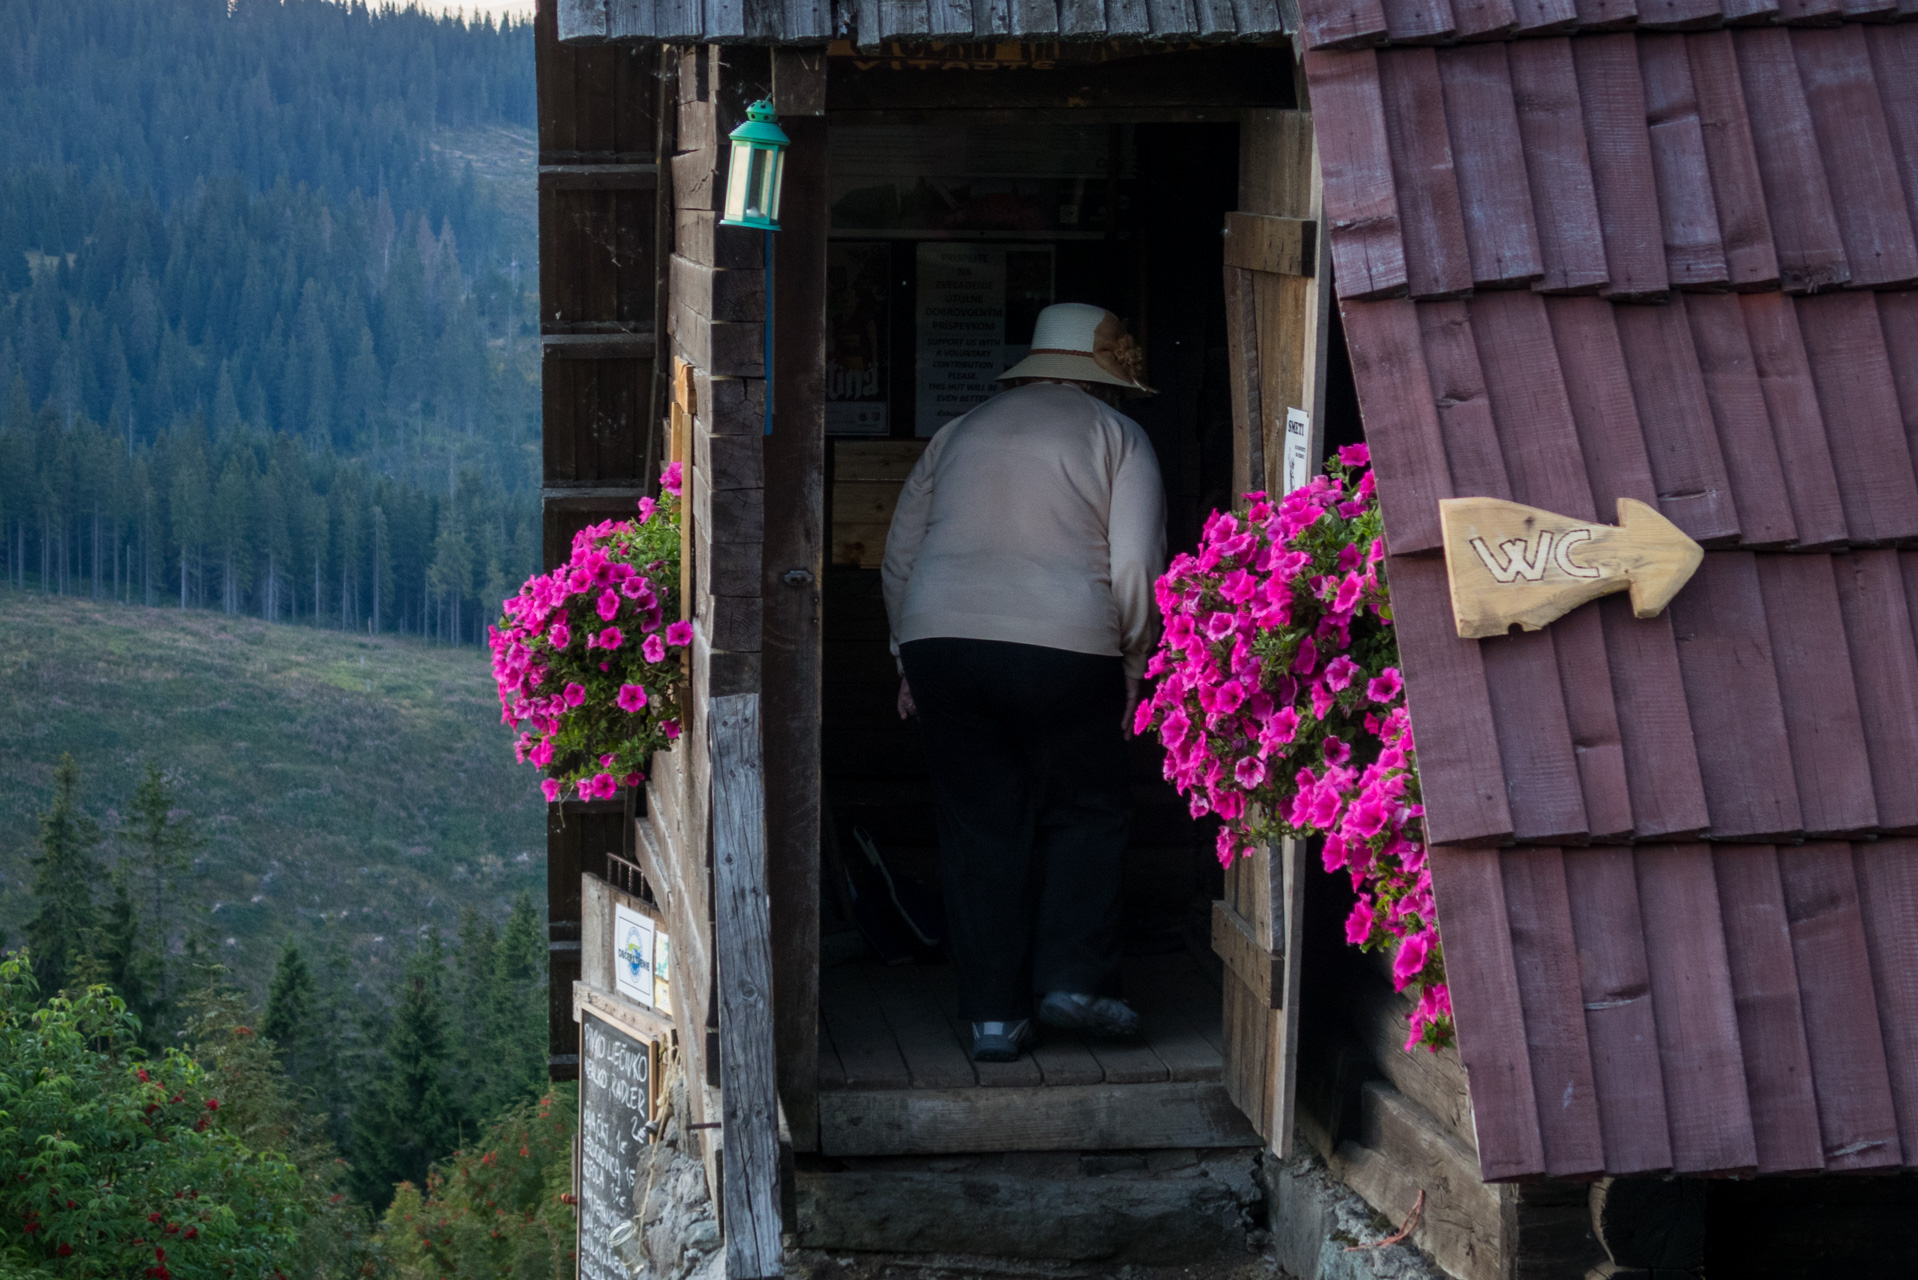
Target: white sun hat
(1083,343)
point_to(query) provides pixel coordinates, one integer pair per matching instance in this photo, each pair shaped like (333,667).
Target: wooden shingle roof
(869,23)
(1680,915)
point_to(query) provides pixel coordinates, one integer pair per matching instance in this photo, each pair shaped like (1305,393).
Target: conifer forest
(272,940)
(266,338)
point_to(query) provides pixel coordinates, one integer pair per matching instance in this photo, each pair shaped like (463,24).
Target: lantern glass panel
(736,198)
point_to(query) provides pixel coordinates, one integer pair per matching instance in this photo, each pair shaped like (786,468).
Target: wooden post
(792,563)
(1278,310)
(748,1095)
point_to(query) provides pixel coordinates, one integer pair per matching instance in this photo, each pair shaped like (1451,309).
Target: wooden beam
(1088,1117)
(1234,942)
(1267,242)
(598,177)
(743,929)
(792,565)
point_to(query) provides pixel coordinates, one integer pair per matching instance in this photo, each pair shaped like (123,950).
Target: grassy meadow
(352,789)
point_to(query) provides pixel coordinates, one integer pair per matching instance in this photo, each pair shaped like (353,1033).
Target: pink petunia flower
(575,694)
(608,605)
(671,479)
(1339,672)
(670,728)
(611,638)
(1385,686)
(1355,455)
(1358,925)
(646,508)
(560,636)
(550,787)
(653,649)
(679,634)
(632,698)
(1249,771)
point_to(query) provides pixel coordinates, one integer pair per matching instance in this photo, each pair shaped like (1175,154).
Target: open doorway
(949,232)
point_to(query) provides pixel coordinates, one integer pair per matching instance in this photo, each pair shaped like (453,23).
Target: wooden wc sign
(1510,563)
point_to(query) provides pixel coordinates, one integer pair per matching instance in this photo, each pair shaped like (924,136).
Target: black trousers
(1028,769)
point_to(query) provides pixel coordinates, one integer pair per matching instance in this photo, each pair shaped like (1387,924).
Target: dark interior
(1144,243)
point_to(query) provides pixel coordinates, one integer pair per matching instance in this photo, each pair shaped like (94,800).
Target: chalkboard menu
(615,1103)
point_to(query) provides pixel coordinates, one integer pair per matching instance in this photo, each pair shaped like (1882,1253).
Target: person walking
(1018,579)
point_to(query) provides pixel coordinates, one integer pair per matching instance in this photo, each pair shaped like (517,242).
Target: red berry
(65,1250)
(153,1217)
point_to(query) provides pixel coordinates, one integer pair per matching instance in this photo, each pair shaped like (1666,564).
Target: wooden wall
(598,216)
(754,521)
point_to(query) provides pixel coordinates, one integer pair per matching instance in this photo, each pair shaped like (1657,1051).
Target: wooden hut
(1558,253)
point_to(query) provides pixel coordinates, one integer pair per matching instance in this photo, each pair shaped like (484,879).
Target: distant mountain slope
(349,783)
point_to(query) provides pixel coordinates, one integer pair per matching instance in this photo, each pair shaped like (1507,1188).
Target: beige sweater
(1038,517)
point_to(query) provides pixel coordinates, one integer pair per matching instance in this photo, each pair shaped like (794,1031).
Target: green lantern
(758,170)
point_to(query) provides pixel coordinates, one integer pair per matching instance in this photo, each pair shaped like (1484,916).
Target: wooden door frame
(1278,306)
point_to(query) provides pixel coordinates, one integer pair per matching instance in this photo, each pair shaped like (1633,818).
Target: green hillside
(357,785)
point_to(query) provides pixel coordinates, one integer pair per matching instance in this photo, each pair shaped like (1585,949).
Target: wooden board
(1845,347)
(790,568)
(1857,1123)
(1798,425)
(1266,242)
(1094,1117)
(1471,900)
(1514,565)
(1500,231)
(1549,995)
(1760,493)
(1854,141)
(1771,1022)
(1811,253)
(1887,873)
(1551,122)
(1688,468)
(743,936)
(1830,760)
(1437,262)
(1738,192)
(1687,207)
(1877,627)
(1731,690)
(1361,203)
(1615,131)
(1698,1045)
(1614,990)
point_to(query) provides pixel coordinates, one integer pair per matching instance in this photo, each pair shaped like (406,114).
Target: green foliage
(348,790)
(411,1111)
(113,1168)
(267,1111)
(499,1208)
(64,922)
(276,354)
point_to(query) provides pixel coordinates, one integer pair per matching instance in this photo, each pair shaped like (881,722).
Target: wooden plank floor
(896,1076)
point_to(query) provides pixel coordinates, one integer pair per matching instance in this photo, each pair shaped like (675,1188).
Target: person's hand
(907,707)
(1131,705)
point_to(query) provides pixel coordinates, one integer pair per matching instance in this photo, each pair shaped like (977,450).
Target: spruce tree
(162,841)
(517,1021)
(65,921)
(292,1012)
(125,960)
(410,1114)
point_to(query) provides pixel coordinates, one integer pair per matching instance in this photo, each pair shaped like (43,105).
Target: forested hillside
(262,349)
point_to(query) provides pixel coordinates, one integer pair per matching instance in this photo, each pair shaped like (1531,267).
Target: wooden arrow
(1511,563)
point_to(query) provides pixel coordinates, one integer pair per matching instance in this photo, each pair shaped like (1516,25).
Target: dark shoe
(1000,1041)
(1094,1015)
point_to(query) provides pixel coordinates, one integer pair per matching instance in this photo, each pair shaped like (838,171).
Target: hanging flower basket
(1281,708)
(587,665)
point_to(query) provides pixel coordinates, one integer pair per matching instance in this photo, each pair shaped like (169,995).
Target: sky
(518,8)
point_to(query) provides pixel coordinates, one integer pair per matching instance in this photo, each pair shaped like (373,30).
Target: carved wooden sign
(1510,563)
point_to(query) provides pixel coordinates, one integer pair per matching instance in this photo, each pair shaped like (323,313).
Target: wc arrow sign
(1511,563)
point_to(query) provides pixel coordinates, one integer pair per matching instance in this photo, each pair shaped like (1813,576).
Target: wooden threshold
(1088,1117)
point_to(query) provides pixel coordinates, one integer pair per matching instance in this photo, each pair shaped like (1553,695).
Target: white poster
(1298,449)
(633,954)
(960,316)
(662,962)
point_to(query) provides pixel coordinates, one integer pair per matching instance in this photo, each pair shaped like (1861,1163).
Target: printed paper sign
(633,954)
(1298,449)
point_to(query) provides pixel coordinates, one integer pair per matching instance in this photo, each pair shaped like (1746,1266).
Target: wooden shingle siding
(1750,366)
(868,24)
